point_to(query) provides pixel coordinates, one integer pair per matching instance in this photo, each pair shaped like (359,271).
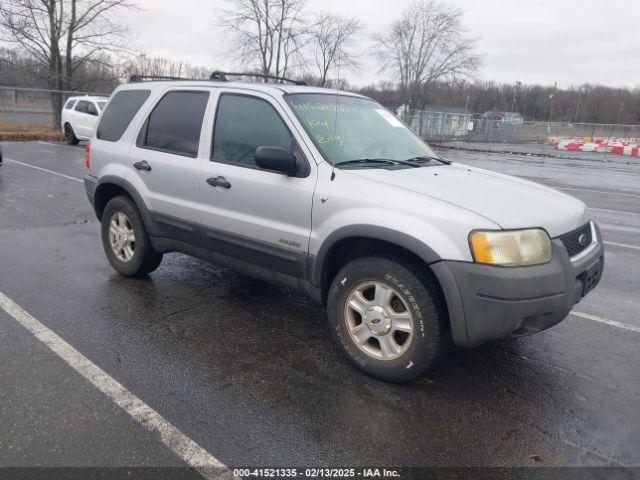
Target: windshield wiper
(426,158)
(381,161)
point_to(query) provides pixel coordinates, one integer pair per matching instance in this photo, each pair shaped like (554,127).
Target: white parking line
(56,144)
(623,245)
(614,211)
(45,170)
(613,323)
(598,191)
(189,451)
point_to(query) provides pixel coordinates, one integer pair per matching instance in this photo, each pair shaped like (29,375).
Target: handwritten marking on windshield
(330,139)
(318,123)
(319,106)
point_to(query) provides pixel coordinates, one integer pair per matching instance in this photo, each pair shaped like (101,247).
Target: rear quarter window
(116,118)
(70,104)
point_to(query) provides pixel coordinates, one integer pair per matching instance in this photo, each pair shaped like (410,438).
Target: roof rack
(222,77)
(151,78)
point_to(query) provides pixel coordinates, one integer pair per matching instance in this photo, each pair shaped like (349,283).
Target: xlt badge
(290,243)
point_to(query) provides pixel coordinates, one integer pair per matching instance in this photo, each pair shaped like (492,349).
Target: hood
(507,201)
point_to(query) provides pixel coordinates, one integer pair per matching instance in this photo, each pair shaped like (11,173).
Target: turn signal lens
(87,156)
(512,248)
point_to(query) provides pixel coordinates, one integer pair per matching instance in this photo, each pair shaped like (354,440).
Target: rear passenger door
(260,217)
(166,158)
(91,118)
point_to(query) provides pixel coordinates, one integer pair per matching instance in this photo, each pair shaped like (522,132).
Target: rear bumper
(490,303)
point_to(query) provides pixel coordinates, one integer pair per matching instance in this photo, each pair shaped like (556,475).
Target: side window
(175,123)
(242,125)
(123,107)
(92,109)
(70,104)
(82,106)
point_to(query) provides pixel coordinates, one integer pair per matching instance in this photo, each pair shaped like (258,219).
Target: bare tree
(64,35)
(161,66)
(270,33)
(425,45)
(332,37)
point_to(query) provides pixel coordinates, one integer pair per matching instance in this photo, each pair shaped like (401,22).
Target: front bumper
(491,303)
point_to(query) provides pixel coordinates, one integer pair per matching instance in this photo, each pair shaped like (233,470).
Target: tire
(139,260)
(410,293)
(70,135)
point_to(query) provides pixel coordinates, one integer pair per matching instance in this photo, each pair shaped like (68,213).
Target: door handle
(144,166)
(219,182)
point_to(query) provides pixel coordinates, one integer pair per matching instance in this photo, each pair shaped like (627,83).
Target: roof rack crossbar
(222,76)
(151,78)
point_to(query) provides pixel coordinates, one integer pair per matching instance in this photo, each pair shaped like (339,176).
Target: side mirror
(277,159)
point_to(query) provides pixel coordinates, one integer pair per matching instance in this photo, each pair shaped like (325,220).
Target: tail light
(87,156)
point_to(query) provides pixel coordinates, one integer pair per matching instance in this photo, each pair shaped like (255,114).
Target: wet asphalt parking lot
(247,372)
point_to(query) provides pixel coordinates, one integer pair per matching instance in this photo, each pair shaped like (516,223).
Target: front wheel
(388,320)
(125,239)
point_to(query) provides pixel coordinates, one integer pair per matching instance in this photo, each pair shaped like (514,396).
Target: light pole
(550,114)
(515,93)
(575,119)
(620,112)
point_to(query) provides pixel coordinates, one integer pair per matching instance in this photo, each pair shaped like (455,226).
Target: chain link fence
(462,130)
(32,112)
(441,126)
(438,126)
(495,131)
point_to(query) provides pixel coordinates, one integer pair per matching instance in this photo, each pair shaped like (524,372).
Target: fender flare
(374,232)
(131,191)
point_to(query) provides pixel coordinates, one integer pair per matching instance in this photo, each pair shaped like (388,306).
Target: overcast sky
(534,41)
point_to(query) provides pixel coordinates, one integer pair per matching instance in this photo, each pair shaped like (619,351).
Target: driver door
(258,216)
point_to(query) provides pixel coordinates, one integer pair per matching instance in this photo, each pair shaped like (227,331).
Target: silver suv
(329,193)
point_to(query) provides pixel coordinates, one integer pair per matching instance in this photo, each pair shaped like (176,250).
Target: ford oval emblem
(583,239)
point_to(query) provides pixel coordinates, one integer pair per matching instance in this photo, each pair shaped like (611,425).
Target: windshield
(102,105)
(348,128)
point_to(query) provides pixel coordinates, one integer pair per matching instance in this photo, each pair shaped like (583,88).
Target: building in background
(438,122)
(505,118)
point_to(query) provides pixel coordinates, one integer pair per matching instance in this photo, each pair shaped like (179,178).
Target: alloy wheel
(379,320)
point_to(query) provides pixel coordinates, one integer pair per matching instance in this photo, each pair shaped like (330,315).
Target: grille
(571,240)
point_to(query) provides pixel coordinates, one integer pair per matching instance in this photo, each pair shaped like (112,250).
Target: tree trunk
(68,77)
(55,67)
(56,106)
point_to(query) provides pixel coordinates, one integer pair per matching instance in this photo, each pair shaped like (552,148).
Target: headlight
(511,248)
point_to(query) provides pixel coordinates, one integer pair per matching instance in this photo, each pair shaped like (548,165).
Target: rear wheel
(70,135)
(125,240)
(387,319)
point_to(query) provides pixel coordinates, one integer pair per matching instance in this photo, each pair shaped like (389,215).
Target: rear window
(175,124)
(121,110)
